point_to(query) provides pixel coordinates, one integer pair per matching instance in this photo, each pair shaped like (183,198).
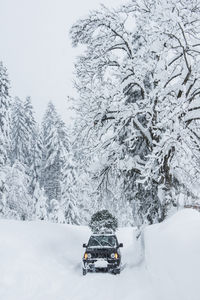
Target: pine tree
(56,213)
(20,134)
(103,222)
(5,107)
(54,150)
(51,154)
(4,171)
(5,104)
(18,200)
(40,200)
(70,191)
(30,125)
(36,166)
(34,154)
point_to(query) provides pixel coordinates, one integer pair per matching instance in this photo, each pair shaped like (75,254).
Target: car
(102,254)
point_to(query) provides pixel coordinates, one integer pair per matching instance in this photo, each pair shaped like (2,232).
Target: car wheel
(116,271)
(84,272)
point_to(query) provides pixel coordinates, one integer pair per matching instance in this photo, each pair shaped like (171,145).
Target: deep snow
(42,261)
(172,256)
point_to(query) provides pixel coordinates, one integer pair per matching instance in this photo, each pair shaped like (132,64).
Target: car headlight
(87,255)
(114,255)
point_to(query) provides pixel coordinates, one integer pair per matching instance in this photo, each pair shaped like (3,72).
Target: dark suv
(102,254)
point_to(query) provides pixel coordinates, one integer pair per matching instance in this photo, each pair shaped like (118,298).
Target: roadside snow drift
(42,261)
(172,253)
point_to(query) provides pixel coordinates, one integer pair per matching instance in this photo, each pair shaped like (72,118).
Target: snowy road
(42,261)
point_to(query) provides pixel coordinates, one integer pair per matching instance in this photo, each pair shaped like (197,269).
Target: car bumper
(101,265)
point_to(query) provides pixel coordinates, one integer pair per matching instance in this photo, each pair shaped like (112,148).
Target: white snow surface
(42,261)
(172,256)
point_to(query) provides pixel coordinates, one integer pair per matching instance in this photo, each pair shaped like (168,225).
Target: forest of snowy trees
(37,168)
(134,146)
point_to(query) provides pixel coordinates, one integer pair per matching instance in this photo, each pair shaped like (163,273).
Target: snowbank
(36,259)
(172,255)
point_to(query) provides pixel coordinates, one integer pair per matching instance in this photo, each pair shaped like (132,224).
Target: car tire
(116,271)
(84,272)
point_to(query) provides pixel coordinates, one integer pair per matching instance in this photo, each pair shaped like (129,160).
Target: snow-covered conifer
(56,213)
(36,165)
(19,133)
(40,200)
(54,150)
(5,104)
(18,199)
(70,191)
(31,128)
(103,222)
(5,107)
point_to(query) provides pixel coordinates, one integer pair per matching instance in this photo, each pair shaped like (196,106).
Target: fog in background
(36,48)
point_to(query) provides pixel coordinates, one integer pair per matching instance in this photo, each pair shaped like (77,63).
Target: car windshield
(102,241)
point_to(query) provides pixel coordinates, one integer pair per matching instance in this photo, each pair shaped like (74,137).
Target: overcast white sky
(36,49)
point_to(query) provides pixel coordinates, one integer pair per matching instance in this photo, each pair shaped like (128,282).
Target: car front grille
(100,255)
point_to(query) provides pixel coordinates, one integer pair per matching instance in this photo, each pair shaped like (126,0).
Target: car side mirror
(121,245)
(84,245)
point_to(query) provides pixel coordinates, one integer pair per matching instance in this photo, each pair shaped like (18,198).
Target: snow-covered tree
(56,213)
(70,191)
(26,144)
(32,129)
(40,200)
(138,84)
(34,154)
(5,104)
(19,133)
(112,120)
(24,132)
(54,150)
(103,222)
(4,170)
(18,199)
(36,165)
